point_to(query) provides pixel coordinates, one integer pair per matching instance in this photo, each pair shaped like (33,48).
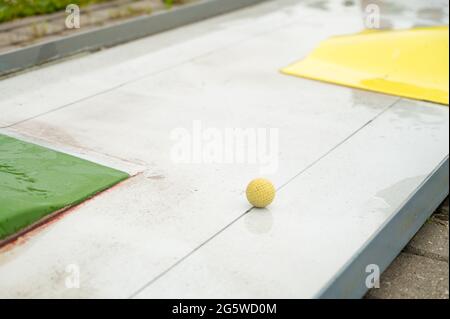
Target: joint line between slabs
(188,255)
(246,212)
(149,75)
(340,143)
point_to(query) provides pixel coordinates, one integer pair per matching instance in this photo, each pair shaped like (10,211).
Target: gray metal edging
(391,238)
(111,35)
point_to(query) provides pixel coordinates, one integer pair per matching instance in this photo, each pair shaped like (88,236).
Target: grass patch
(13,9)
(36,181)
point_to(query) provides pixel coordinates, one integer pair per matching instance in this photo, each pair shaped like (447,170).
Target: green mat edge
(5,235)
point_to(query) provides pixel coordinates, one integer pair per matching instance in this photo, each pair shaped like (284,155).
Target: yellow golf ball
(260,192)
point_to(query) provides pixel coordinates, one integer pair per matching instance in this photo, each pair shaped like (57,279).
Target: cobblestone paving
(421,270)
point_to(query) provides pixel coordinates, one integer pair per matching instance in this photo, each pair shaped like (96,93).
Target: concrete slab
(113,68)
(322,210)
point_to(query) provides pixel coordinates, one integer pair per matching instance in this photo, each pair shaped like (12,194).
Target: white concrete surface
(347,160)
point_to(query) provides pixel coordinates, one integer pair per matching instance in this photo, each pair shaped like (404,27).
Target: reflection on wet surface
(394,14)
(423,114)
(318,4)
(390,195)
(259,221)
(407,14)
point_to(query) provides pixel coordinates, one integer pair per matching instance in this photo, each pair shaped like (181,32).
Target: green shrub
(13,9)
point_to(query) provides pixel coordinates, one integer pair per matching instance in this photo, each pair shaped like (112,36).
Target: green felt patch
(36,181)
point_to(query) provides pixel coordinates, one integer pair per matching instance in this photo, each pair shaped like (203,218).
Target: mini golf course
(358,171)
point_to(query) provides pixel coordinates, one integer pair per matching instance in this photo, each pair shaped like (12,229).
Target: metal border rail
(382,248)
(107,36)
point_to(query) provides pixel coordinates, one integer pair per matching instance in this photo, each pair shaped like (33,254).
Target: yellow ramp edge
(408,63)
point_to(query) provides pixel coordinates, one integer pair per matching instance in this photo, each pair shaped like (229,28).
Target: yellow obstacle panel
(409,63)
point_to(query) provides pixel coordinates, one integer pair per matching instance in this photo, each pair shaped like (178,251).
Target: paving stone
(413,277)
(431,241)
(442,212)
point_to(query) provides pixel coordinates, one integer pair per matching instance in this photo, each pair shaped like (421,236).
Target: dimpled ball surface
(260,192)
